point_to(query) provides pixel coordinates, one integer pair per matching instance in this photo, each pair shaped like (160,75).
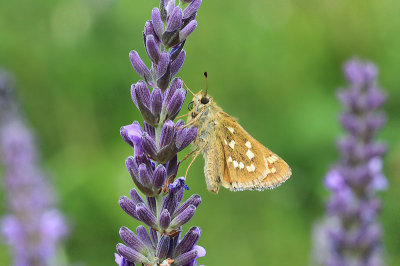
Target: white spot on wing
(241,165)
(226,143)
(235,164)
(251,168)
(231,129)
(229,159)
(248,144)
(232,144)
(273,170)
(250,154)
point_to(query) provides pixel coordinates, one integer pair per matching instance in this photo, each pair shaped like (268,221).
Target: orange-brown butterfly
(233,158)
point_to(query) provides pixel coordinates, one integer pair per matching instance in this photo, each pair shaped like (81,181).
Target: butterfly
(233,158)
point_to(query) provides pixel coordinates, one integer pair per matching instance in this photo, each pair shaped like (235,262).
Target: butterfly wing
(248,164)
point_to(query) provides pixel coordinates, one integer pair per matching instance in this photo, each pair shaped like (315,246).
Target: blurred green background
(275,65)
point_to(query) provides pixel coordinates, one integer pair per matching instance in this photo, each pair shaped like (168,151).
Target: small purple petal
(152,48)
(132,240)
(162,248)
(191,8)
(189,240)
(159,176)
(175,104)
(163,71)
(156,100)
(184,137)
(131,134)
(194,200)
(132,255)
(165,219)
(149,146)
(186,258)
(157,22)
(128,206)
(175,20)
(167,135)
(177,64)
(183,217)
(144,236)
(146,215)
(186,31)
(136,198)
(140,66)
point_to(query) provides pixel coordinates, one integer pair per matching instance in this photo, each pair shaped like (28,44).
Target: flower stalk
(350,231)
(159,97)
(33,227)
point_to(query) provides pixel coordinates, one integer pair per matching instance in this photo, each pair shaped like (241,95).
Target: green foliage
(275,65)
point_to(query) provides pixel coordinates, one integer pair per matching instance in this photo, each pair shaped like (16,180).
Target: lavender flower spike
(33,227)
(350,234)
(153,168)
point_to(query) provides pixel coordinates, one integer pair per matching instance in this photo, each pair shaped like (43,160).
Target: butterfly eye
(204,100)
(190,106)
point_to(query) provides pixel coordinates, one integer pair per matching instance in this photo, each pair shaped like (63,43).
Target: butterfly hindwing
(248,164)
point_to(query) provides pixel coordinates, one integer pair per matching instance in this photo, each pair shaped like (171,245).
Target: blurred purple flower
(350,234)
(153,168)
(33,228)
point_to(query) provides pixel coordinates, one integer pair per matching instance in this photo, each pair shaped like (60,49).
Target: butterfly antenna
(188,88)
(206,77)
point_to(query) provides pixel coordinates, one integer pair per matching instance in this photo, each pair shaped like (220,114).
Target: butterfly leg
(194,157)
(194,120)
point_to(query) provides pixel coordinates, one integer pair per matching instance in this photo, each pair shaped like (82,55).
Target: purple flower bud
(187,30)
(350,123)
(167,135)
(183,217)
(132,240)
(176,50)
(151,202)
(169,93)
(184,137)
(188,241)
(157,22)
(165,219)
(141,97)
(172,168)
(186,258)
(146,215)
(136,198)
(140,66)
(163,10)
(156,99)
(152,49)
(121,261)
(177,64)
(170,6)
(149,130)
(149,29)
(159,177)
(375,98)
(128,206)
(374,122)
(191,8)
(169,203)
(132,134)
(153,236)
(132,255)
(149,146)
(175,20)
(163,71)
(162,247)
(175,104)
(144,237)
(194,200)
(144,175)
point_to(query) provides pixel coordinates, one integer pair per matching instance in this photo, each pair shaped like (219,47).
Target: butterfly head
(199,103)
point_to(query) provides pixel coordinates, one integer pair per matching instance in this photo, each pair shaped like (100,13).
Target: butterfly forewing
(248,164)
